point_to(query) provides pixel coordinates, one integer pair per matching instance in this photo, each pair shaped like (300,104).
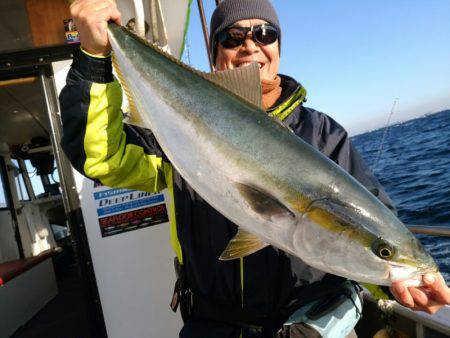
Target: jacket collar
(293,94)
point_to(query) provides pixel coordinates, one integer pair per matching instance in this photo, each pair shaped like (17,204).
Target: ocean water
(413,165)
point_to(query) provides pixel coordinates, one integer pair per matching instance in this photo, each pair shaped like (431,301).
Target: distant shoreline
(399,122)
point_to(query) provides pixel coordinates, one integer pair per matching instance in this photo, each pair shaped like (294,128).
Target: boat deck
(63,316)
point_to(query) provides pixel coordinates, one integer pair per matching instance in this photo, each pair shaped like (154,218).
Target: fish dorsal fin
(132,115)
(244,82)
(267,206)
(241,245)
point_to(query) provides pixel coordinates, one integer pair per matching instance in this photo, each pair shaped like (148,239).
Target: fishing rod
(386,128)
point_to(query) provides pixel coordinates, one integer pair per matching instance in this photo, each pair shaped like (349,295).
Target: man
(254,296)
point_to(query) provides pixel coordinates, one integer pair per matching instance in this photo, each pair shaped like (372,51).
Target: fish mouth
(400,272)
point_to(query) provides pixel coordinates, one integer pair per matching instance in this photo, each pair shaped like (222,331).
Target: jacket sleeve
(96,141)
(332,140)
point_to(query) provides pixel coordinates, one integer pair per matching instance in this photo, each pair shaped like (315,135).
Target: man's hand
(429,298)
(91,18)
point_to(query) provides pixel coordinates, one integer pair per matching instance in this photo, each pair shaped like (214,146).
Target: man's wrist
(97,56)
(93,68)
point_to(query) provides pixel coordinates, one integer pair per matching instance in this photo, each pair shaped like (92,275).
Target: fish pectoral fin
(268,207)
(244,82)
(241,245)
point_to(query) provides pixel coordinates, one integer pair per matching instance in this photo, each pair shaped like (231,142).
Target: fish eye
(383,249)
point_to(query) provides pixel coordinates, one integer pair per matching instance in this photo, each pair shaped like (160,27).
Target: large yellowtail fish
(278,189)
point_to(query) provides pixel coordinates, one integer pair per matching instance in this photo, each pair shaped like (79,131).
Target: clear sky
(356,57)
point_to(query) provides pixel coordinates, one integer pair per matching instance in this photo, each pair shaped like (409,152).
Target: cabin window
(55,175)
(20,183)
(3,202)
(3,186)
(35,179)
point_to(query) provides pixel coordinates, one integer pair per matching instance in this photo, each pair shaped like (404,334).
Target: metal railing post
(429,230)
(205,32)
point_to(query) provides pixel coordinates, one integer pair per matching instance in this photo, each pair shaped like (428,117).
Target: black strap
(182,295)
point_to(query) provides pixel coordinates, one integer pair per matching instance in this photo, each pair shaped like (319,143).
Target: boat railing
(430,230)
(424,325)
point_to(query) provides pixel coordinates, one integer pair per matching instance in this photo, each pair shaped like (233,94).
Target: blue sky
(356,57)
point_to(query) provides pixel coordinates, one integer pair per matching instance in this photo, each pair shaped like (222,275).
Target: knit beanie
(230,11)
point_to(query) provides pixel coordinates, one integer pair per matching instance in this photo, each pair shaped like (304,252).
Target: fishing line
(188,52)
(386,129)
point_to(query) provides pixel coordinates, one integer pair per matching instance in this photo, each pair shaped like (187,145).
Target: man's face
(268,57)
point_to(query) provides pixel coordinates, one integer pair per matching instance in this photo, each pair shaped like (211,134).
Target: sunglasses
(232,37)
